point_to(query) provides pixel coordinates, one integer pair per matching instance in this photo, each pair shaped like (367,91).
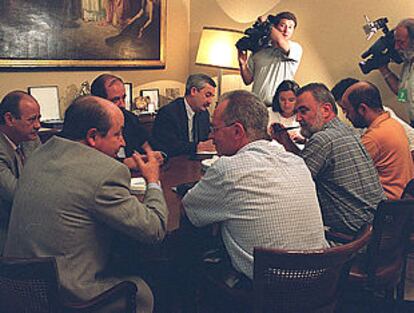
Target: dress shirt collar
(190,115)
(258,144)
(190,112)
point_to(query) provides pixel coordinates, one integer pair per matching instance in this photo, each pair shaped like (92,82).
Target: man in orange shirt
(385,139)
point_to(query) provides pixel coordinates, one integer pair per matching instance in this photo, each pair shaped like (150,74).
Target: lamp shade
(217,48)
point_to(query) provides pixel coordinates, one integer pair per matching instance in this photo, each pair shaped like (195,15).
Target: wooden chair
(290,281)
(379,269)
(31,286)
(407,194)
(302,281)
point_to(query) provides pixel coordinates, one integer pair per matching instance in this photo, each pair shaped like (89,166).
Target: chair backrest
(409,194)
(302,281)
(390,235)
(28,285)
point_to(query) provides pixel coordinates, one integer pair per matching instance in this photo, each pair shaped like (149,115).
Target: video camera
(382,51)
(257,36)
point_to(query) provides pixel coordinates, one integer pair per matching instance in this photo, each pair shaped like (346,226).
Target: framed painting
(82,33)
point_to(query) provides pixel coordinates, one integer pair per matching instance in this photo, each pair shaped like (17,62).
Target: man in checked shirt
(259,194)
(347,182)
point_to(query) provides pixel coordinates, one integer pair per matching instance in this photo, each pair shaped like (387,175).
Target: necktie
(20,153)
(195,128)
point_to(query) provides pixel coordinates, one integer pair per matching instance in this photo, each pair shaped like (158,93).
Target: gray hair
(198,81)
(321,94)
(247,109)
(408,23)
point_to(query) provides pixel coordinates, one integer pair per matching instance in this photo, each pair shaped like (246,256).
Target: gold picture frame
(66,34)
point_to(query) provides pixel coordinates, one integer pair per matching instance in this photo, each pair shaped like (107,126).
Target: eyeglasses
(214,129)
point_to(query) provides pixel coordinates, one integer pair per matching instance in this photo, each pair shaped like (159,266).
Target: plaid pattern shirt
(261,196)
(347,182)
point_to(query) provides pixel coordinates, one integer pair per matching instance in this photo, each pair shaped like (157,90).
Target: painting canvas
(82,33)
(48,99)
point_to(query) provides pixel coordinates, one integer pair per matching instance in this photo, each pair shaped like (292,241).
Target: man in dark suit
(112,88)
(136,137)
(73,198)
(19,125)
(183,126)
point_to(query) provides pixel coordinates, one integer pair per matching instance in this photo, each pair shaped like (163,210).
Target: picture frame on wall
(81,34)
(128,94)
(153,96)
(48,99)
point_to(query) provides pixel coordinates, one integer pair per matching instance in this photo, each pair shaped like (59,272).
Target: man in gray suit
(73,197)
(19,124)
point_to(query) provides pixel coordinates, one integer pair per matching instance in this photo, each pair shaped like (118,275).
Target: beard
(359,122)
(307,130)
(408,54)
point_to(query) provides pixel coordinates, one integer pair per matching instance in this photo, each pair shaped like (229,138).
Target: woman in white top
(282,110)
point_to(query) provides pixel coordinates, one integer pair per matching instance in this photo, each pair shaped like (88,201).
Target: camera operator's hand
(242,55)
(279,40)
(245,73)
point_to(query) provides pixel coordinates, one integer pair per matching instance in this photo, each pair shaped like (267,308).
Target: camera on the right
(382,51)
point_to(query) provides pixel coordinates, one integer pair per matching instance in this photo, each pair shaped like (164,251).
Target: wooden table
(178,170)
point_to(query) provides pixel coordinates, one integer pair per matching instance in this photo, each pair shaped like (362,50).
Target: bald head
(362,103)
(85,113)
(110,87)
(19,116)
(364,92)
(102,83)
(11,103)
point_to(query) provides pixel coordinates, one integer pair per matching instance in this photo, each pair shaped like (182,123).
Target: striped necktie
(20,153)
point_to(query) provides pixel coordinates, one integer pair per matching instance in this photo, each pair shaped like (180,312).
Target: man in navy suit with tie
(183,125)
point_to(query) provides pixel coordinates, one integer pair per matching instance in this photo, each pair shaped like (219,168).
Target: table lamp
(217,49)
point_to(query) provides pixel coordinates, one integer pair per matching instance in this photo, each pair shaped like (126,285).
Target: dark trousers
(201,260)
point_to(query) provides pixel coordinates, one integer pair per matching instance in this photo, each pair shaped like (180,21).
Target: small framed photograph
(48,99)
(128,93)
(152,96)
